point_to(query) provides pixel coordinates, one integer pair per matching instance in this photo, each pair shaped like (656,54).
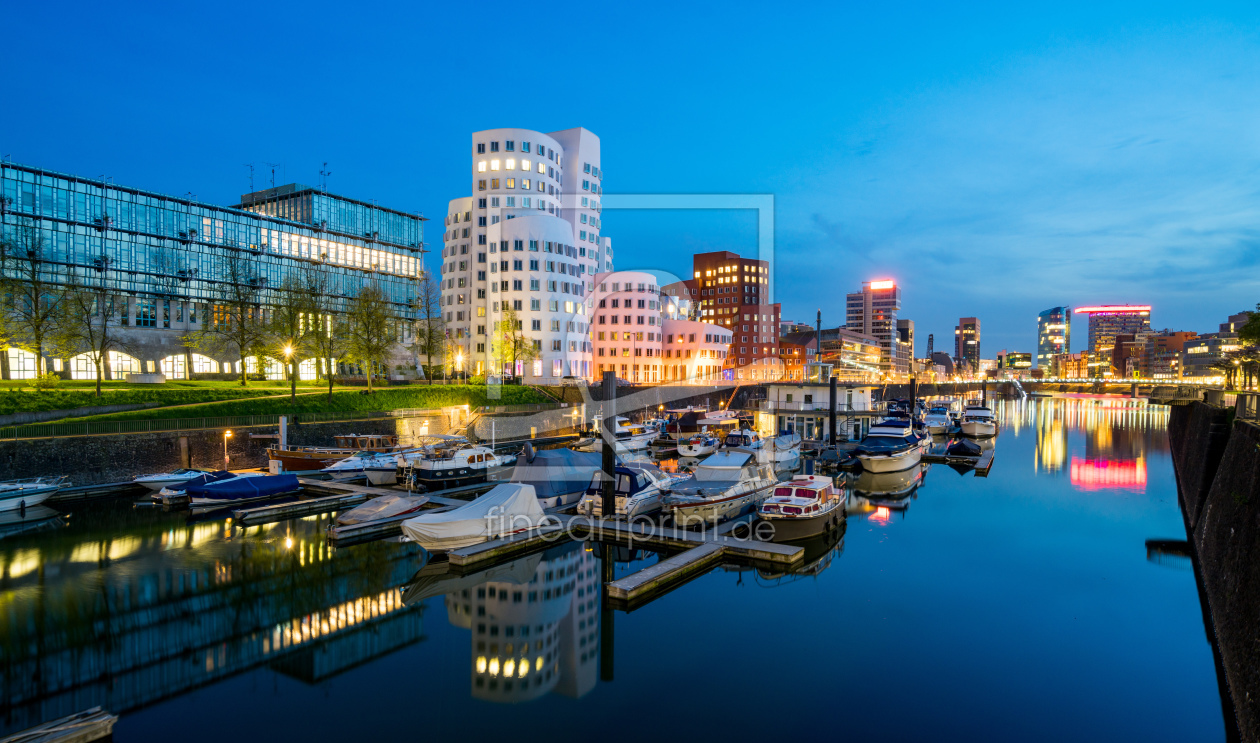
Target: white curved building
(527,239)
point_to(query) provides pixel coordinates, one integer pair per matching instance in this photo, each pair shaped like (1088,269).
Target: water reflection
(122,607)
(873,491)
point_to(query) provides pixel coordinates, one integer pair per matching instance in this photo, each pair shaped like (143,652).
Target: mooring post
(606,616)
(984,392)
(831,422)
(914,392)
(608,501)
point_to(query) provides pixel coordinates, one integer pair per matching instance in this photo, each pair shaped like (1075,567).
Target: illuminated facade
(1108,321)
(873,312)
(165,256)
(1204,355)
(1054,334)
(734,293)
(967,344)
(530,240)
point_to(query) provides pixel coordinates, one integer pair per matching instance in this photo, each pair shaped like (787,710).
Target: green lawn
(14,400)
(393,398)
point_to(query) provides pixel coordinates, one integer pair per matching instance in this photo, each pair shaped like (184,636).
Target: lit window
(509,164)
(494,164)
(525,164)
(525,185)
(542,168)
(481,166)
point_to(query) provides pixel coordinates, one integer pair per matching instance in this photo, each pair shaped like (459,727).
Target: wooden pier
(91,492)
(81,727)
(282,511)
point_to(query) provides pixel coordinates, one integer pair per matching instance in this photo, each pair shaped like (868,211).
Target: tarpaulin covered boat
(507,509)
(242,488)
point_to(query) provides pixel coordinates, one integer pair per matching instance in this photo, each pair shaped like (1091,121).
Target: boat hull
(978,429)
(18,499)
(715,512)
(297,461)
(449,478)
(688,450)
(793,528)
(891,462)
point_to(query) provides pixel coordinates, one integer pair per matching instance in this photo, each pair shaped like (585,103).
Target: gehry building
(528,239)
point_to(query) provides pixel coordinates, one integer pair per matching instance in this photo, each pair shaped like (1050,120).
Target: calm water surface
(1021,606)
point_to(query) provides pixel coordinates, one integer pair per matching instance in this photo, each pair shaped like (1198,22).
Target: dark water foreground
(1024,606)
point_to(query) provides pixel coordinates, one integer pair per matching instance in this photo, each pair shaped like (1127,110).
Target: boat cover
(964,448)
(239,488)
(508,508)
(202,479)
(384,507)
(557,471)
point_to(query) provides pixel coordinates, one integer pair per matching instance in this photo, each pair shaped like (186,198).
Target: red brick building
(733,293)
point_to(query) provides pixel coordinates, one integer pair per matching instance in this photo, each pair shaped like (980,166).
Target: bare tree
(510,342)
(86,316)
(327,340)
(289,332)
(370,329)
(235,324)
(430,336)
(33,298)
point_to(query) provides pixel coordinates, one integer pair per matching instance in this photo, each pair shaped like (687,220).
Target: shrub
(46,382)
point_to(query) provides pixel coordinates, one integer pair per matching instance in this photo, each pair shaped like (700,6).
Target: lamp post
(226,435)
(288,360)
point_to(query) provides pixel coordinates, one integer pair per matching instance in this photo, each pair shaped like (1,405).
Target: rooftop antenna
(273,167)
(323,178)
(251,176)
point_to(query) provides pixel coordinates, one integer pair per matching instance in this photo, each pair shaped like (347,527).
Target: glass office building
(165,255)
(1054,334)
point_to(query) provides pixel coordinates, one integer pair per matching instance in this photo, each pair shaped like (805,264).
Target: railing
(158,425)
(822,406)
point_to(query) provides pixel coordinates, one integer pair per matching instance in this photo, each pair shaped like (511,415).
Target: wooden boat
(311,458)
(803,507)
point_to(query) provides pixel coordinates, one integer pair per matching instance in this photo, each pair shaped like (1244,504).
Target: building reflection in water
(124,608)
(1119,433)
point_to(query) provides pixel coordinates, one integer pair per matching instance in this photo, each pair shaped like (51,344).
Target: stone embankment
(1217,461)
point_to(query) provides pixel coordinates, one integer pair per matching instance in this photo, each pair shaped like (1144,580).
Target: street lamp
(459,362)
(226,435)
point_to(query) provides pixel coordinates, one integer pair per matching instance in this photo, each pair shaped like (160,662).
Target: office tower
(873,312)
(967,344)
(1054,334)
(734,294)
(1108,321)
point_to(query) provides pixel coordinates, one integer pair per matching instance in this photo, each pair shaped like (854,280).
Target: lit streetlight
(226,435)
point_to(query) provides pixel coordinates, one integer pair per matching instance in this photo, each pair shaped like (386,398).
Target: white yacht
(937,420)
(630,437)
(453,463)
(783,448)
(380,468)
(174,477)
(890,446)
(637,490)
(744,439)
(727,484)
(698,446)
(978,422)
(27,492)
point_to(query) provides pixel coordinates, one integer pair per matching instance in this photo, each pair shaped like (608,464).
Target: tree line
(49,308)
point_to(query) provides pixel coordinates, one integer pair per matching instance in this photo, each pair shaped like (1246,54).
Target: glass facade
(1054,334)
(160,246)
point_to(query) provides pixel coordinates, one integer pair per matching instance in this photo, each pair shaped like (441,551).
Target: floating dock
(81,727)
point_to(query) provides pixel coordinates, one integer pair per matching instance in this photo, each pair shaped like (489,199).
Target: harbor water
(1026,605)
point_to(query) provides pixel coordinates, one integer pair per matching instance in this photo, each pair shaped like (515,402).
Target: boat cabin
(366,441)
(802,495)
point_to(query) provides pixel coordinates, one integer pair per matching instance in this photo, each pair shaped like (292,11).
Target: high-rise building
(967,344)
(931,340)
(164,260)
(529,239)
(734,294)
(1054,334)
(873,312)
(1108,321)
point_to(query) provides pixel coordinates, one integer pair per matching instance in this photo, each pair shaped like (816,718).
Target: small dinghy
(179,488)
(384,507)
(964,448)
(242,488)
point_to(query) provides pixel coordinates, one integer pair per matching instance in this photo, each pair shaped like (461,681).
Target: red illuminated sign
(1108,474)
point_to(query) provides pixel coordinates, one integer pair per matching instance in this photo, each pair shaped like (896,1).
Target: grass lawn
(347,401)
(14,400)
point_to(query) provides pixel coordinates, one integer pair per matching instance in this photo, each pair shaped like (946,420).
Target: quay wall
(1217,461)
(89,460)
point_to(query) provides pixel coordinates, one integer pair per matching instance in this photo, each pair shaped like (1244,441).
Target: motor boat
(629,437)
(637,490)
(166,479)
(312,458)
(380,468)
(689,422)
(453,463)
(508,508)
(978,422)
(559,476)
(31,491)
(783,448)
(245,487)
(937,420)
(179,488)
(803,507)
(890,446)
(698,446)
(384,507)
(723,486)
(743,439)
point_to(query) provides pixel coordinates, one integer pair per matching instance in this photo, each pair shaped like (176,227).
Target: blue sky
(995,159)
